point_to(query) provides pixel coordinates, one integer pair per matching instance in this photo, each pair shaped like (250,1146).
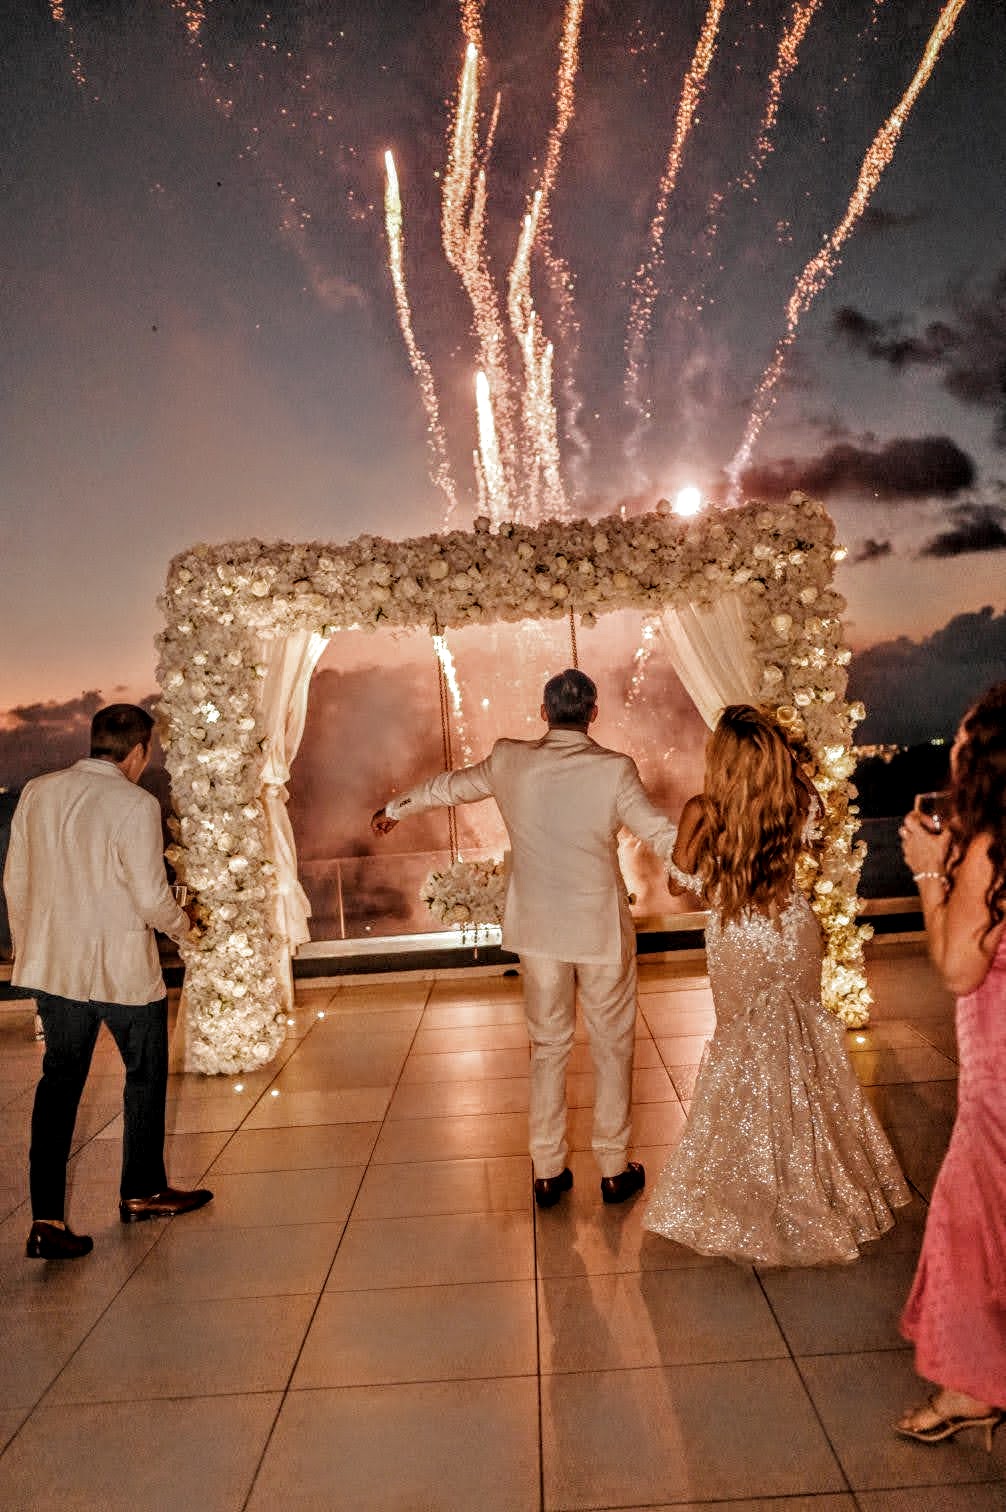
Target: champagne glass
(936,809)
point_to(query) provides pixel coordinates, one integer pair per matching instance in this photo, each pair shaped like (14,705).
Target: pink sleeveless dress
(956,1312)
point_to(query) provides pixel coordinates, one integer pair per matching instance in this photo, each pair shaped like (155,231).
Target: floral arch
(748,612)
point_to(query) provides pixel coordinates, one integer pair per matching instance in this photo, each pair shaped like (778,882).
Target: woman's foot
(948,1413)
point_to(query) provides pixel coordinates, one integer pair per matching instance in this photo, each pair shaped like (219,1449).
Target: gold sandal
(948,1425)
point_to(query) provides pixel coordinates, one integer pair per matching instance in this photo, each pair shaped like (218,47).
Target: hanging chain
(572,637)
(445,733)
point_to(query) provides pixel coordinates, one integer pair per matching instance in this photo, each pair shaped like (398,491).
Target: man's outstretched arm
(466,785)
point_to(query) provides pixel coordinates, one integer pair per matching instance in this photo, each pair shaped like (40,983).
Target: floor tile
(682,1049)
(841,1502)
(454,1015)
(173,1348)
(262,1199)
(972,1498)
(344,1105)
(431,1251)
(476,1134)
(681,1433)
(353,1059)
(308,1147)
(195,1453)
(860,1396)
(420,1333)
(842,1308)
(352,1020)
(460,1098)
(656,1123)
(328,1445)
(471,1037)
(467,1065)
(186,1156)
(490,1185)
(200,1263)
(670,1317)
(907,1064)
(37,1345)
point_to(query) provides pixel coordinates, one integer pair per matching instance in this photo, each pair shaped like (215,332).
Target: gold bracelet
(928,876)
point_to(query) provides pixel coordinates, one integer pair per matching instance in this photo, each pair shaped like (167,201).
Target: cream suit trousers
(608,1000)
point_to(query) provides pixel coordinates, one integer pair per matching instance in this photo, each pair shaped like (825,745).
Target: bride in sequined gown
(783,1162)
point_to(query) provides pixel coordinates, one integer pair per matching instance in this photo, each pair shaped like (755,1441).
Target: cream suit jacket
(563,799)
(86,887)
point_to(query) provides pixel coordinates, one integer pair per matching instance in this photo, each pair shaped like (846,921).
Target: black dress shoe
(625,1184)
(166,1204)
(548,1189)
(47,1241)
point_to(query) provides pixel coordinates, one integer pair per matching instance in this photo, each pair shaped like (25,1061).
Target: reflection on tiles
(373,1314)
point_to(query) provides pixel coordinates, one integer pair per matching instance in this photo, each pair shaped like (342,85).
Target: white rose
(438,569)
(782,624)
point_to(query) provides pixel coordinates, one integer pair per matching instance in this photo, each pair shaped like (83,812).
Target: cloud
(870,551)
(41,737)
(969,347)
(977,527)
(914,690)
(905,468)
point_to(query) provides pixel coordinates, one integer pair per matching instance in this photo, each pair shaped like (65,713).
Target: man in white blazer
(564,799)
(86,889)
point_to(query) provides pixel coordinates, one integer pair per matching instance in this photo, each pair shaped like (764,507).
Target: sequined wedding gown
(783,1162)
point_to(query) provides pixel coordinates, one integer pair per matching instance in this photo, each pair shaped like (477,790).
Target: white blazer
(563,799)
(86,887)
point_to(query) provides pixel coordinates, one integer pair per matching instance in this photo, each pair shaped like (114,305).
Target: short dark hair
(569,697)
(115,730)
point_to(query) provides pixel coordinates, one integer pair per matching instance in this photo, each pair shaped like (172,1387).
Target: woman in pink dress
(956,1313)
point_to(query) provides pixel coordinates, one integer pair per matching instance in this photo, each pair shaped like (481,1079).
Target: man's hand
(382,822)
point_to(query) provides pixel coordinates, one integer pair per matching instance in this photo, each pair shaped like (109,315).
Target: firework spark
(489,453)
(57,9)
(437,441)
(787,57)
(645,284)
(822,267)
(193,13)
(446,660)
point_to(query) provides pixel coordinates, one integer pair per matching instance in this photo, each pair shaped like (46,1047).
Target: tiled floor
(372,1314)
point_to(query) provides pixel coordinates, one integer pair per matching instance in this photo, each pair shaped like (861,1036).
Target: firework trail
(57,10)
(489,453)
(446,660)
(471,21)
(437,441)
(644,283)
(539,420)
(787,57)
(822,267)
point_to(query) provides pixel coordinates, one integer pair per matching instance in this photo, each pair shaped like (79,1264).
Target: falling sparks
(489,453)
(193,13)
(441,473)
(446,659)
(644,283)
(57,10)
(822,267)
(788,56)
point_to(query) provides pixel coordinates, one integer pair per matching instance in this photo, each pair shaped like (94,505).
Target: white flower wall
(220,600)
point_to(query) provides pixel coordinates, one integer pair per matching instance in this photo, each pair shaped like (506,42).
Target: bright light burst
(822,267)
(687,500)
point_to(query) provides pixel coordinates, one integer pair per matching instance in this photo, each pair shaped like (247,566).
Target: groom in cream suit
(564,799)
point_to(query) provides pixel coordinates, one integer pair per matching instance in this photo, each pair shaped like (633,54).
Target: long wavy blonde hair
(754,805)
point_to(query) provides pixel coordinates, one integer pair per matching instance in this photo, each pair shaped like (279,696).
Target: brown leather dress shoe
(47,1241)
(548,1189)
(625,1184)
(166,1204)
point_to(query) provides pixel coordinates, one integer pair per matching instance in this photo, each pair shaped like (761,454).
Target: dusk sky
(199,339)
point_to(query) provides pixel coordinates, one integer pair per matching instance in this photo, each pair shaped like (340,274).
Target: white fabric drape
(289,663)
(712,654)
